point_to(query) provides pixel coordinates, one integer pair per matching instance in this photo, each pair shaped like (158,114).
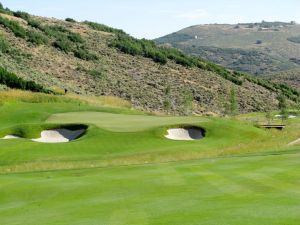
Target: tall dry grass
(27,96)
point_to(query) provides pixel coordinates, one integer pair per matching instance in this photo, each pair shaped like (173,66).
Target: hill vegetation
(94,59)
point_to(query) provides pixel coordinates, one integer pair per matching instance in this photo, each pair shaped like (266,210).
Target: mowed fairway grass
(124,171)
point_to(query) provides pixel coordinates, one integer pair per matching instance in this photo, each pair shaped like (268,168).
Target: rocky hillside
(93,59)
(256,48)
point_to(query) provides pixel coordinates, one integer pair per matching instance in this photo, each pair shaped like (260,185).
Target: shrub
(4,47)
(97,74)
(34,23)
(22,15)
(53,31)
(85,55)
(102,27)
(71,20)
(31,36)
(11,80)
(36,38)
(14,26)
(56,28)
(63,44)
(75,37)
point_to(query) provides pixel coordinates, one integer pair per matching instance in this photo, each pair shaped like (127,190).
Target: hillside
(255,48)
(93,59)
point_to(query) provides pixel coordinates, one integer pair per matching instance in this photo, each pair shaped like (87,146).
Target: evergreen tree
(233,102)
(187,101)
(282,106)
(167,98)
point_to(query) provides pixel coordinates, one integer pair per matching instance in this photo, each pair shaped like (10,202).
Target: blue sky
(155,18)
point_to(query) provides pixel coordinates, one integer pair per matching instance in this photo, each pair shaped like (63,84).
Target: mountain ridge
(264,48)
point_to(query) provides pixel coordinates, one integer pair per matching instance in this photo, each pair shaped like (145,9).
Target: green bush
(102,27)
(53,31)
(31,36)
(75,37)
(14,26)
(34,23)
(22,15)
(12,81)
(71,20)
(37,38)
(85,55)
(97,74)
(63,44)
(65,40)
(4,46)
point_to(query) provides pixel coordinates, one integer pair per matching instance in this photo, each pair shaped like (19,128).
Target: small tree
(167,98)
(233,102)
(70,20)
(282,106)
(298,104)
(269,117)
(187,101)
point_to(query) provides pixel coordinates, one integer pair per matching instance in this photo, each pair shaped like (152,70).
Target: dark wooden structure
(278,127)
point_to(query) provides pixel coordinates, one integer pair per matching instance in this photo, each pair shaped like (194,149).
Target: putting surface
(124,170)
(120,122)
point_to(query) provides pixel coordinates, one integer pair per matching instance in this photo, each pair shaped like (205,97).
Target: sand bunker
(54,136)
(59,135)
(185,134)
(7,137)
(297,142)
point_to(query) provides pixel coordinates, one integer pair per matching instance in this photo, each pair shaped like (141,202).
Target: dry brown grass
(27,96)
(13,18)
(110,101)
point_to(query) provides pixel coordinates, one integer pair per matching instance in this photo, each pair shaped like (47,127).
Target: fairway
(239,191)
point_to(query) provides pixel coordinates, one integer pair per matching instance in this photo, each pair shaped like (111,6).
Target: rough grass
(30,97)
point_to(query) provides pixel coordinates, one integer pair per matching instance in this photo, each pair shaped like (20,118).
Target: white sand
(184,134)
(7,137)
(290,116)
(297,142)
(58,136)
